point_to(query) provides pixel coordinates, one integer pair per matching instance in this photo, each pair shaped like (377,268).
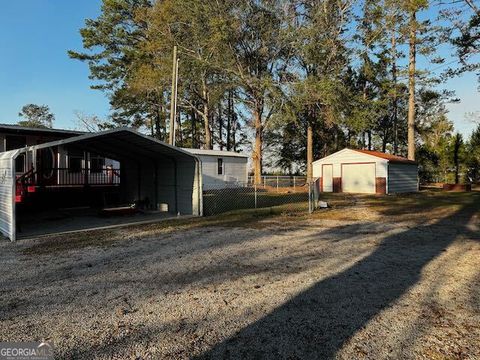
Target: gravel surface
(274,288)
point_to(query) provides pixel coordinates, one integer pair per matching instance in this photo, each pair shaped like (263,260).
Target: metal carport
(150,168)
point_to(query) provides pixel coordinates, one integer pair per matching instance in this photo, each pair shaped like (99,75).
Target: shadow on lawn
(318,322)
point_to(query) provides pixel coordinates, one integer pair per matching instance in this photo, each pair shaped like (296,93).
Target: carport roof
(121,143)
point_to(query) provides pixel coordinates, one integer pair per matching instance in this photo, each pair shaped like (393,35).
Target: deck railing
(75,177)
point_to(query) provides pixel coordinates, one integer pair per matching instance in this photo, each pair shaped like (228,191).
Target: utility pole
(173,98)
(175,101)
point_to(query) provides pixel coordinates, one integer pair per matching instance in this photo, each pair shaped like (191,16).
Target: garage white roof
(380,156)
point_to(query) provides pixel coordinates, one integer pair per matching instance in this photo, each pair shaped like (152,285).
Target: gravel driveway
(272,287)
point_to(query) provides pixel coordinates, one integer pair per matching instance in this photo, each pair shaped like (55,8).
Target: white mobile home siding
(234,171)
(402,178)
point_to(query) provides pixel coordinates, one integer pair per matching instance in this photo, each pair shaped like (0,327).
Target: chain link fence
(285,199)
(280,182)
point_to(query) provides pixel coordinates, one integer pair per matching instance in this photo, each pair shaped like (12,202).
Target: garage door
(358,178)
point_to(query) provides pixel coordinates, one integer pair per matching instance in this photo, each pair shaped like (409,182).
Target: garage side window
(220,166)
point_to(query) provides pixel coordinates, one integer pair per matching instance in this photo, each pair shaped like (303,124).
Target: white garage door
(358,178)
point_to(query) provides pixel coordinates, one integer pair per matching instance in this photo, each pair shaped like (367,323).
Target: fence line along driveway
(390,285)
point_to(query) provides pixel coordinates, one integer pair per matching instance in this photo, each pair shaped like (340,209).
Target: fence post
(264,181)
(294,183)
(255,189)
(277,183)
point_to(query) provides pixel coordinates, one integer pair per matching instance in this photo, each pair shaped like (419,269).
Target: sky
(35,36)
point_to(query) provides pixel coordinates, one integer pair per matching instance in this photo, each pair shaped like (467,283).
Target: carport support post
(139,182)
(175,184)
(155,181)
(155,184)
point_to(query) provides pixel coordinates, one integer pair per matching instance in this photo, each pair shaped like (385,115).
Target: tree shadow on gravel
(317,323)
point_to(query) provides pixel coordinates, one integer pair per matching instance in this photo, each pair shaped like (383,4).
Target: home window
(220,166)
(97,163)
(75,161)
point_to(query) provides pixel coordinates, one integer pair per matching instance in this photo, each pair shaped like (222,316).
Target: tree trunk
(411,86)
(158,123)
(208,134)
(384,141)
(456,157)
(178,130)
(309,152)
(193,117)
(229,119)
(220,125)
(234,132)
(257,152)
(369,137)
(206,118)
(394,100)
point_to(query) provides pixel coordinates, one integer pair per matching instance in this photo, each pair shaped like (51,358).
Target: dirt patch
(105,238)
(255,286)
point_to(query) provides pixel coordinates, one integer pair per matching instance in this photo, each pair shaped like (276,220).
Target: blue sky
(34,67)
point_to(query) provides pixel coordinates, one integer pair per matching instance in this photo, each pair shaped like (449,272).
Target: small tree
(37,116)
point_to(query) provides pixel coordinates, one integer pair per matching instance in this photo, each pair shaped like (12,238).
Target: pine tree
(36,116)
(112,48)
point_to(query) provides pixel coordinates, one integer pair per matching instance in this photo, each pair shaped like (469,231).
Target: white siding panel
(234,171)
(7,196)
(402,178)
